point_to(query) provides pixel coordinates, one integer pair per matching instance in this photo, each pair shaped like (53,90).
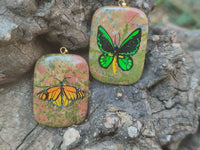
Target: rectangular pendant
(118,45)
(60,94)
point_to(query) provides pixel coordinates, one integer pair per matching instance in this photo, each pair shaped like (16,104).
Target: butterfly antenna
(115,40)
(119,38)
(133,18)
(57,79)
(65,79)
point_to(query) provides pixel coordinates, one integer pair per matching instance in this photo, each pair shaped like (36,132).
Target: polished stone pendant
(60,95)
(118,45)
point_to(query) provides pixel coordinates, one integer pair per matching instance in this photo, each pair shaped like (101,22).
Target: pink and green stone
(60,94)
(118,45)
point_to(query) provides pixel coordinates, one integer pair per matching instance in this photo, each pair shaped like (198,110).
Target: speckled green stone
(50,70)
(118,21)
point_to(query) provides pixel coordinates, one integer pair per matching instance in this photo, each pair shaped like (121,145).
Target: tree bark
(157,112)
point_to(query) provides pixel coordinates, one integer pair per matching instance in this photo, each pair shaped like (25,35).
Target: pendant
(60,93)
(118,44)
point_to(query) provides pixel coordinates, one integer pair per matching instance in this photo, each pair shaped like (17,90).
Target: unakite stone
(118,45)
(60,94)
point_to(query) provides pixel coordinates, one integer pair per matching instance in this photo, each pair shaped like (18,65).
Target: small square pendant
(60,94)
(118,45)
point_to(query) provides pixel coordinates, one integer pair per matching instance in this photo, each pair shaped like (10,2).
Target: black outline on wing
(106,45)
(61,93)
(132,43)
(122,68)
(110,62)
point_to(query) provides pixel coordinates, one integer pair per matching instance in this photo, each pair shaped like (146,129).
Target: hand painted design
(115,54)
(62,95)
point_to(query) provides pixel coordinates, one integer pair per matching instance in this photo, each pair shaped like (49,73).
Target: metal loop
(122,3)
(64,50)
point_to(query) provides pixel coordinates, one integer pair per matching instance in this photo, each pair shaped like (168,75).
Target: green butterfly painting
(115,54)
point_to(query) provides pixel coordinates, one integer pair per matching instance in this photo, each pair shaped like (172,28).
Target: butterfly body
(116,49)
(113,53)
(62,95)
(115,56)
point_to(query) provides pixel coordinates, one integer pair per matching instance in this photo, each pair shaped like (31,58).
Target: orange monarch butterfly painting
(62,95)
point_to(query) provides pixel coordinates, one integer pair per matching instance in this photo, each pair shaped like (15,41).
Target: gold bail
(64,50)
(122,3)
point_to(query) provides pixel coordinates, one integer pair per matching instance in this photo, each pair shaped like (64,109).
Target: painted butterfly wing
(104,41)
(73,93)
(105,60)
(105,44)
(61,97)
(129,47)
(125,62)
(131,44)
(49,93)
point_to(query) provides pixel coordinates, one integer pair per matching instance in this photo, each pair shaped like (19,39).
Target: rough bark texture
(156,113)
(190,42)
